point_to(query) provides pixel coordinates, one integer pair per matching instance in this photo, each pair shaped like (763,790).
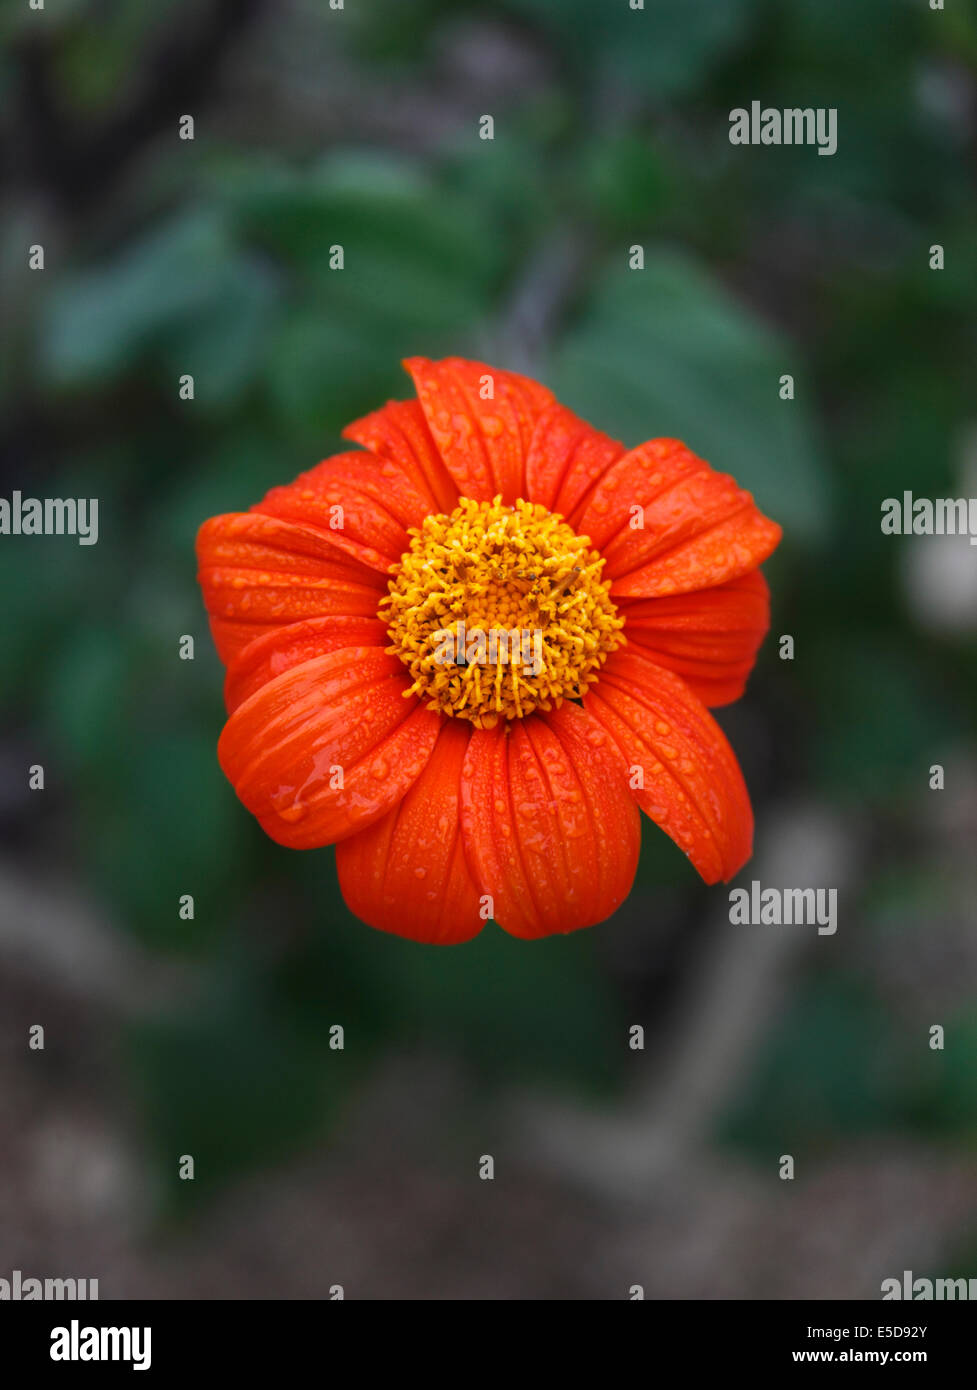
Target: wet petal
(709,637)
(328,747)
(259,574)
(484,442)
(407,873)
(567,458)
(278,651)
(360,503)
(691,784)
(667,523)
(398,432)
(551,829)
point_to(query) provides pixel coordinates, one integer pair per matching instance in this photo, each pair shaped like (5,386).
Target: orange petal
(484,443)
(328,747)
(693,788)
(550,827)
(567,457)
(281,649)
(710,638)
(407,873)
(361,503)
(398,432)
(259,574)
(667,523)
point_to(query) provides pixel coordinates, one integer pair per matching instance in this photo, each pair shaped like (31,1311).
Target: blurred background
(164,1037)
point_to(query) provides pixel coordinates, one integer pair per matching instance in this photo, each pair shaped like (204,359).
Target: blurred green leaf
(411,250)
(623,178)
(184,291)
(663,47)
(420,288)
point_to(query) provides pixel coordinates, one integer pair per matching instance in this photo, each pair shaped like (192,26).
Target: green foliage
(181,294)
(664,48)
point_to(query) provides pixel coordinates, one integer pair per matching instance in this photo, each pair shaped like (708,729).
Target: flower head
(492,567)
(468,653)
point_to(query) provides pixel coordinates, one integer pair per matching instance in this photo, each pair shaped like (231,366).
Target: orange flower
(460,780)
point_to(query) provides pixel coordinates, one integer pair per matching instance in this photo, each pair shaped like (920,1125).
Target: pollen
(499,610)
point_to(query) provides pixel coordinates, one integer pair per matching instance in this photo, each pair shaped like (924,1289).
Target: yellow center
(498,610)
